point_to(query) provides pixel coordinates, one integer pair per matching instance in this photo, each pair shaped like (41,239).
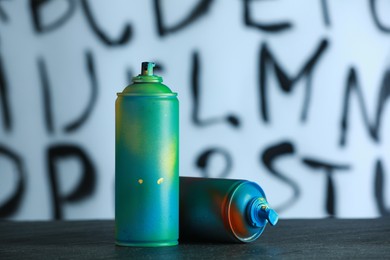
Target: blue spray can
(223,210)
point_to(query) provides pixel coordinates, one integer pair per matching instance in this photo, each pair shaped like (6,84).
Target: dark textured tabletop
(305,239)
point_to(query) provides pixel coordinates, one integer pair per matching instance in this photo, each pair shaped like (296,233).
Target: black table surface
(309,239)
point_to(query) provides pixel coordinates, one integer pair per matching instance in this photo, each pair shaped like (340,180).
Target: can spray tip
(269,214)
(147,68)
(259,213)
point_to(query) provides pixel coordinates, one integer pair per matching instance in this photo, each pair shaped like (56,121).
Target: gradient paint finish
(147,161)
(217,210)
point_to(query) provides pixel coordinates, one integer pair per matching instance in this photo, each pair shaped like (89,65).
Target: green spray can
(223,210)
(146,163)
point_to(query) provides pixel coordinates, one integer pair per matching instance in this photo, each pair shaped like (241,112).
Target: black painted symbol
(201,9)
(12,204)
(204,159)
(330,204)
(4,99)
(265,27)
(374,14)
(231,119)
(84,189)
(380,192)
(373,127)
(269,157)
(268,61)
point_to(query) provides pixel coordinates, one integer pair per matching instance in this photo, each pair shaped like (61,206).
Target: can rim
(173,94)
(260,230)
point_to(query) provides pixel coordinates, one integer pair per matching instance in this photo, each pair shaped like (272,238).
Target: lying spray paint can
(146,163)
(223,210)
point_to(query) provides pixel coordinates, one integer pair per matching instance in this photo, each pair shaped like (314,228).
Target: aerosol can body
(223,210)
(146,163)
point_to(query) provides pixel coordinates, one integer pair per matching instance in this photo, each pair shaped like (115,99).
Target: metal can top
(246,218)
(147,84)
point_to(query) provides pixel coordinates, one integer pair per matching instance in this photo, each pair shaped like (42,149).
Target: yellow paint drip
(159,181)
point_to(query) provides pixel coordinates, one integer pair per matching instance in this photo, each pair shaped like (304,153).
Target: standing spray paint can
(223,210)
(146,163)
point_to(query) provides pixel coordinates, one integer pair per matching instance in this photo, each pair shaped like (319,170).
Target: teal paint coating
(146,163)
(223,210)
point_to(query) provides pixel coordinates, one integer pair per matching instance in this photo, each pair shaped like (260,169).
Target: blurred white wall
(291,94)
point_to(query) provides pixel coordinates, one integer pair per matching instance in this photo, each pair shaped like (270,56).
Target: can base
(148,244)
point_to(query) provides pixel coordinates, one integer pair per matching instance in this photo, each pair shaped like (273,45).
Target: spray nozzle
(269,214)
(260,212)
(147,68)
